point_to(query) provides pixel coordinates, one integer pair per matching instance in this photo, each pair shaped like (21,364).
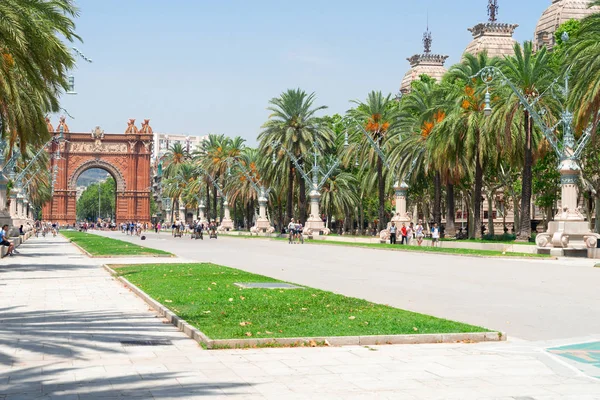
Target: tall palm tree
(471,129)
(379,117)
(174,158)
(421,112)
(34,61)
(584,53)
(294,124)
(531,73)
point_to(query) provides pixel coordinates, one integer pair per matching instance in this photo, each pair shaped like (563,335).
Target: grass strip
(426,248)
(430,249)
(206,297)
(103,246)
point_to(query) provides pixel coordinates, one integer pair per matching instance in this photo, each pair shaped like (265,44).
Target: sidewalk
(63,320)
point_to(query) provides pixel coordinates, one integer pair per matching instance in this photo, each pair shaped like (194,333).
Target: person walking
(410,231)
(435,235)
(419,233)
(393,233)
(404,232)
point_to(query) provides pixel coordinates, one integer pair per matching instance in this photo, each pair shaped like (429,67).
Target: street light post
(262,222)
(400,186)
(569,229)
(314,222)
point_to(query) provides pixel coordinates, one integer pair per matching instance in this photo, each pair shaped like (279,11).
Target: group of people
(195,228)
(45,228)
(410,232)
(134,228)
(294,229)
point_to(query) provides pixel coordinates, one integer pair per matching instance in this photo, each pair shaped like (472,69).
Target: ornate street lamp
(315,181)
(569,229)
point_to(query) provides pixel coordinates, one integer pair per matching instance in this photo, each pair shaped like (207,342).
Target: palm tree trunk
(208,201)
(525,228)
(302,200)
(437,201)
(490,201)
(450,211)
(477,198)
(381,186)
(215,204)
(290,193)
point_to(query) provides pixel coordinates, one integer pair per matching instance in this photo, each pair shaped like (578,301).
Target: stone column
(569,176)
(202,215)
(5,217)
(181,211)
(314,223)
(401,190)
(262,223)
(226,223)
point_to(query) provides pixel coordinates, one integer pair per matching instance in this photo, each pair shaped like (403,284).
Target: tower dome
(494,37)
(559,12)
(426,63)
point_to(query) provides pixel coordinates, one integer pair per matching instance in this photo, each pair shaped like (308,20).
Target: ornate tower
(559,12)
(425,63)
(493,36)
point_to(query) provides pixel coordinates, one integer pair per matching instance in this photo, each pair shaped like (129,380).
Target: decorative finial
(427,39)
(493,10)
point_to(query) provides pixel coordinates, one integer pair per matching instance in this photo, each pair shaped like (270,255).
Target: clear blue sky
(198,66)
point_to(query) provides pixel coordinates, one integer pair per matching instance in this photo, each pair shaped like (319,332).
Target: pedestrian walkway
(68,330)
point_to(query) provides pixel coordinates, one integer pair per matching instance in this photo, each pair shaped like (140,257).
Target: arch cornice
(96,163)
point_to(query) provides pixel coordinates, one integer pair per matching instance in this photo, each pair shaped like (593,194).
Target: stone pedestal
(5,217)
(227,222)
(262,223)
(202,213)
(400,216)
(314,224)
(569,230)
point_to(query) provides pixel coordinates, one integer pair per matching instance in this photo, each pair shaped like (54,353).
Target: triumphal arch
(124,156)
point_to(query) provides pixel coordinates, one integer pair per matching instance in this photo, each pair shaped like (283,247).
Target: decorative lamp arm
(375,146)
(489,73)
(295,161)
(328,174)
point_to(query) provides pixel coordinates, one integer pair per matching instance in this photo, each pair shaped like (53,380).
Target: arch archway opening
(96,195)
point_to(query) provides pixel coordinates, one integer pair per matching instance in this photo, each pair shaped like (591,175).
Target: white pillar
(202,215)
(569,176)
(226,223)
(401,190)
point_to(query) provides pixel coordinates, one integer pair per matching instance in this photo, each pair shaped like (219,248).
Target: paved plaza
(64,319)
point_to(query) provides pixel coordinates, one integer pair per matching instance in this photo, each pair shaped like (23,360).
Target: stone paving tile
(63,320)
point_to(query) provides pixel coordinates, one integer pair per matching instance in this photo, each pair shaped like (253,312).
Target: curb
(200,337)
(123,256)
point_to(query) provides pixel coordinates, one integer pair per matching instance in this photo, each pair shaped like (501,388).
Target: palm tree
(239,188)
(421,112)
(466,121)
(379,117)
(584,53)
(174,158)
(531,73)
(34,61)
(294,124)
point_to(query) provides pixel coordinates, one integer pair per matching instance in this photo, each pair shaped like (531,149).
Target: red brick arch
(125,156)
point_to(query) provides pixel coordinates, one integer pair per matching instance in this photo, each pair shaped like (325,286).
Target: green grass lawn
(103,246)
(206,297)
(427,248)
